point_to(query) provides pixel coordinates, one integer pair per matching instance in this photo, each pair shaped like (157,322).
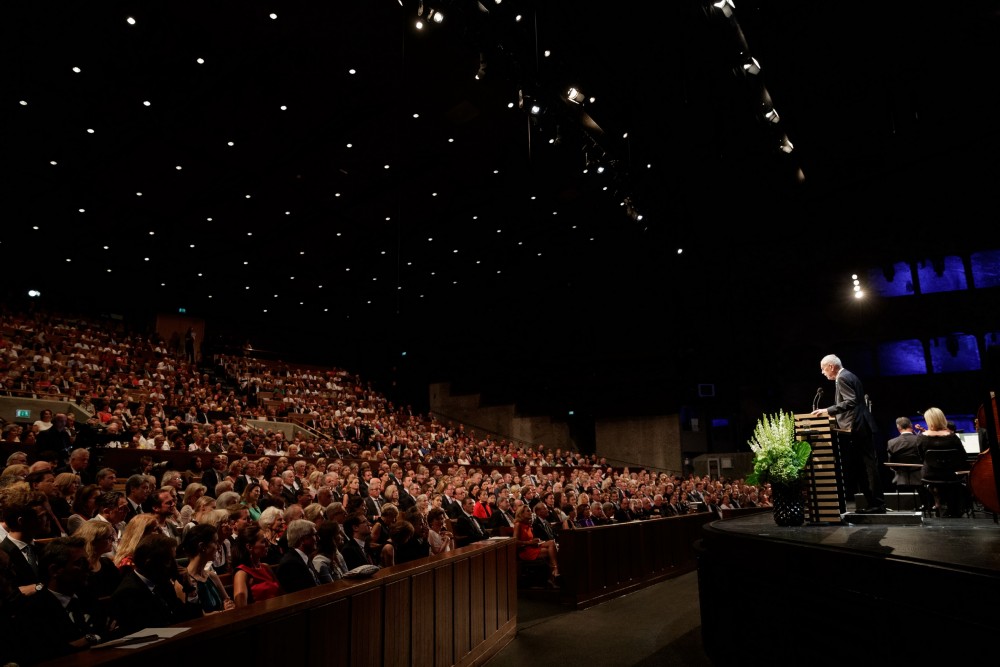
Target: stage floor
(965,543)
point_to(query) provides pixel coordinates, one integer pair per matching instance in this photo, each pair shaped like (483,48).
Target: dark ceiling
(332,180)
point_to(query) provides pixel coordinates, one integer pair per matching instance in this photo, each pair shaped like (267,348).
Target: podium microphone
(817,398)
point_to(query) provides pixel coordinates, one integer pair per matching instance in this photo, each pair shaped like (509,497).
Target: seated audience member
(355,550)
(466,524)
(440,538)
(200,544)
(139,527)
(272,524)
(253,578)
(60,620)
(103,575)
(84,507)
(295,571)
(219,519)
(24,515)
(147,597)
(530,547)
(328,562)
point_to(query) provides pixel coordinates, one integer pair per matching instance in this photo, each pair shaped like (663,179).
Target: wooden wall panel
(462,614)
(366,628)
(491,582)
(422,619)
(444,611)
(329,633)
(396,634)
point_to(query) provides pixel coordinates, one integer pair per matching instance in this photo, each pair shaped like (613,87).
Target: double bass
(983,475)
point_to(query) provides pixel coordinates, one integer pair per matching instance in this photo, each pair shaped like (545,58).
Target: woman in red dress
(253,579)
(530,547)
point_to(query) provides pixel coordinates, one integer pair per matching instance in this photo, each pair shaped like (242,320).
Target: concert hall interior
(589,211)
(432,205)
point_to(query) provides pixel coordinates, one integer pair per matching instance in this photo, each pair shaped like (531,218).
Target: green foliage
(778,457)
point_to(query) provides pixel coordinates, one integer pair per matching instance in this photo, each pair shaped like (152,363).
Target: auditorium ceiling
(324,176)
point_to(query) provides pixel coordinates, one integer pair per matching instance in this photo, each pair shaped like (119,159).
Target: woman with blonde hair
(272,525)
(942,453)
(532,548)
(137,528)
(104,576)
(192,493)
(222,560)
(62,506)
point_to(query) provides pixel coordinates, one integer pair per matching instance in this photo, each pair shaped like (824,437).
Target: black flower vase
(789,504)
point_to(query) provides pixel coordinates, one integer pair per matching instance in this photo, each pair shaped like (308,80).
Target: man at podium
(857,426)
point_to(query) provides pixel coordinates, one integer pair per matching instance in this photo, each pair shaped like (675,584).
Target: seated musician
(903,449)
(939,438)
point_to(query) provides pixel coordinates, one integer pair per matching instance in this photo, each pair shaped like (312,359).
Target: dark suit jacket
(371,508)
(542,529)
(903,449)
(136,607)
(467,526)
(406,501)
(497,520)
(49,626)
(130,511)
(86,476)
(23,574)
(849,408)
(210,478)
(294,574)
(451,507)
(353,554)
(288,495)
(242,482)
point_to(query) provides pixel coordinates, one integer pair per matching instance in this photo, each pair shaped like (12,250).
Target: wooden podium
(824,469)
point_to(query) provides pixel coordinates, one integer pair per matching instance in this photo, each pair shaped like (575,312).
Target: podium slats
(824,471)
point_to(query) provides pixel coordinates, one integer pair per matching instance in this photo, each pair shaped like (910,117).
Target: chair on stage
(908,478)
(950,484)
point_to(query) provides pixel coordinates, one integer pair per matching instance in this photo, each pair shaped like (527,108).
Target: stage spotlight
(726,7)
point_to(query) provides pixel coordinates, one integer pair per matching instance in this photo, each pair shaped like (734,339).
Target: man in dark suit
(540,525)
(903,449)
(57,620)
(466,524)
(145,597)
(288,491)
(56,438)
(295,570)
(373,501)
(79,465)
(215,474)
(355,549)
(249,476)
(857,427)
(136,493)
(406,499)
(24,514)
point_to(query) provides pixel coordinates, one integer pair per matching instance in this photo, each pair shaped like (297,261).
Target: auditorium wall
(652,442)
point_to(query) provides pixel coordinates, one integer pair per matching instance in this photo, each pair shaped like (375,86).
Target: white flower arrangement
(778,457)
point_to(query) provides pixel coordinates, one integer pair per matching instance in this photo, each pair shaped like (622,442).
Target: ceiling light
(751,66)
(725,6)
